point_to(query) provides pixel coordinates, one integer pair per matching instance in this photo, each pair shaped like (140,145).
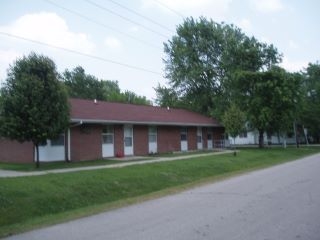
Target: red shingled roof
(110,112)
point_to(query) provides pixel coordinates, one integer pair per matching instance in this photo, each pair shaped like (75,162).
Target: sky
(123,40)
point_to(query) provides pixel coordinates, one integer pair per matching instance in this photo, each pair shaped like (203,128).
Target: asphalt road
(282,202)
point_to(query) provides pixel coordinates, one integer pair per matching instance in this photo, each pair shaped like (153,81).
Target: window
(152,134)
(128,141)
(183,134)
(107,135)
(59,141)
(107,139)
(243,134)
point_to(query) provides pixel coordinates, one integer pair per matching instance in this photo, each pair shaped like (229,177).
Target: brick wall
(15,152)
(118,140)
(192,138)
(140,140)
(168,139)
(86,142)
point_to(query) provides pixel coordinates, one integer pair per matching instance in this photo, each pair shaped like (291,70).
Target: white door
(128,140)
(153,146)
(108,141)
(184,139)
(209,139)
(52,150)
(199,138)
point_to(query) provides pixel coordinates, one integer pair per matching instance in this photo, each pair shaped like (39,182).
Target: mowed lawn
(30,202)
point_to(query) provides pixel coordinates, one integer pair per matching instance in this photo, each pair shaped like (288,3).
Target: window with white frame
(152,134)
(183,134)
(107,135)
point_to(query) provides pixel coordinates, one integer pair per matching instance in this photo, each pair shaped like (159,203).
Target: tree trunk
(295,133)
(234,147)
(66,146)
(37,155)
(261,138)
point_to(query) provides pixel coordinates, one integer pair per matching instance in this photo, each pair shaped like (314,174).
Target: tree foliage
(310,115)
(202,58)
(211,65)
(82,85)
(34,103)
(270,99)
(234,121)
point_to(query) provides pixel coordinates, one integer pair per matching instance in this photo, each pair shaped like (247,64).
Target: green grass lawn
(29,202)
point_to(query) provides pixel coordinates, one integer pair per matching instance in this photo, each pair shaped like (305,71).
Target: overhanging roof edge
(100,121)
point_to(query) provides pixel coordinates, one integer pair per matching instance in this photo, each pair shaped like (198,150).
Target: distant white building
(252,138)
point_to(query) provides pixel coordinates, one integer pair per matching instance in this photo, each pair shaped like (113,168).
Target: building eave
(101,121)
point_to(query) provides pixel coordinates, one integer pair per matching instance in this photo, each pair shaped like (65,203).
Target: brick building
(104,129)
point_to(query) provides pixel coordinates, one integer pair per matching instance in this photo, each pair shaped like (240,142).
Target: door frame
(153,145)
(107,148)
(199,137)
(128,150)
(184,139)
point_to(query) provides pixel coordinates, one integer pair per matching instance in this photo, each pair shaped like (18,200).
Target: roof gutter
(77,123)
(97,121)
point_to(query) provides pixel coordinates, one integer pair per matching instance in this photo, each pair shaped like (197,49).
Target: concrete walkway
(9,173)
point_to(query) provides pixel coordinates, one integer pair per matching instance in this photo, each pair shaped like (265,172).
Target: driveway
(281,202)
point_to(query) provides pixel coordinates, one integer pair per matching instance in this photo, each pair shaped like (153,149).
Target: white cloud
(293,66)
(51,29)
(112,42)
(267,6)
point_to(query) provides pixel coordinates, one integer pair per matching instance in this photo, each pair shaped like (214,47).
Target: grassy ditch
(29,202)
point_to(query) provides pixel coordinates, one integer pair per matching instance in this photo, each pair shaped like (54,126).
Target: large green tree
(310,116)
(111,90)
(34,104)
(201,59)
(271,99)
(82,85)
